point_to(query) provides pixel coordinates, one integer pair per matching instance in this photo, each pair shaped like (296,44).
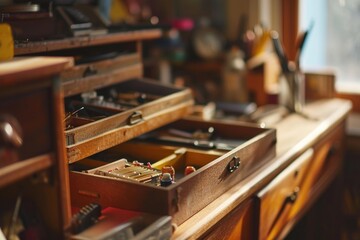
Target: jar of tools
(292,90)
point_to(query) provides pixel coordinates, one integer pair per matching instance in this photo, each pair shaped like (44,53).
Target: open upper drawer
(236,151)
(101,119)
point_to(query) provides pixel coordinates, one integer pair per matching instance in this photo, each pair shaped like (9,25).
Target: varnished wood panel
(88,77)
(279,197)
(239,224)
(277,214)
(85,41)
(24,169)
(91,83)
(32,111)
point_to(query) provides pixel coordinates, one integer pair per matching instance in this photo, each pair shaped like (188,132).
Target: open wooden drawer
(294,190)
(99,120)
(217,169)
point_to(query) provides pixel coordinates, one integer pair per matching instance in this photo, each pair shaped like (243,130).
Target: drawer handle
(89,71)
(135,118)
(234,164)
(290,199)
(293,196)
(333,150)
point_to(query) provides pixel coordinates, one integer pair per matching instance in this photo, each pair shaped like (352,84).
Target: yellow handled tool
(6,42)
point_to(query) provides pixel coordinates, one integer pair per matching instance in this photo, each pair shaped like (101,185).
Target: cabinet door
(239,224)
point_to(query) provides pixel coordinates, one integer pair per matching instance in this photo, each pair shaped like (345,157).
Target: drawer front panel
(93,78)
(32,112)
(239,224)
(94,71)
(170,104)
(279,197)
(327,162)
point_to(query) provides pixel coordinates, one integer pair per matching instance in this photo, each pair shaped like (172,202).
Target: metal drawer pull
(293,196)
(135,118)
(89,71)
(234,164)
(290,199)
(333,150)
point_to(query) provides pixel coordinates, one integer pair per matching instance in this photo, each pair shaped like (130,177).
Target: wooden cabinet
(266,202)
(290,195)
(34,185)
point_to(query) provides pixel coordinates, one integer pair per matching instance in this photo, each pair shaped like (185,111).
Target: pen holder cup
(292,91)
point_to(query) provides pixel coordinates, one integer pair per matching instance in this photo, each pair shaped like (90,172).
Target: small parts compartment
(126,162)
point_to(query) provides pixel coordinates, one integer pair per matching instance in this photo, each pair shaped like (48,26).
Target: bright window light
(334,41)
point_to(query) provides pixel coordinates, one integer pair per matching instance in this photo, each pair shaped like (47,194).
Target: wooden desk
(295,135)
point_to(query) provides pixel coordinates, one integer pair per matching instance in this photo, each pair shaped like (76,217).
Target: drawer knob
(234,164)
(333,150)
(293,196)
(89,71)
(10,132)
